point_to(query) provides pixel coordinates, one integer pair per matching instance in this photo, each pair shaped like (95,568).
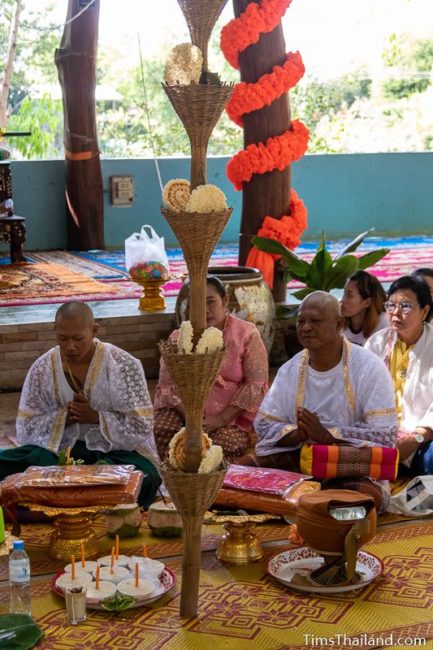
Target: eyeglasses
(404,307)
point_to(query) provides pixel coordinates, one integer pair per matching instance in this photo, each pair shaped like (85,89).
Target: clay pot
(249,299)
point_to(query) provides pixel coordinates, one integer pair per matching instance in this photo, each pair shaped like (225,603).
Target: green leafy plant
(323,272)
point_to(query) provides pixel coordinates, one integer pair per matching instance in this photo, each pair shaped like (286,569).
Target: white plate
(167,581)
(304,560)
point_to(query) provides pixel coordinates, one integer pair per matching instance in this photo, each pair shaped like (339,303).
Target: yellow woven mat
(244,608)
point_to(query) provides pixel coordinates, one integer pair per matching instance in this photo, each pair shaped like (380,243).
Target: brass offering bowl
(72,528)
(240,544)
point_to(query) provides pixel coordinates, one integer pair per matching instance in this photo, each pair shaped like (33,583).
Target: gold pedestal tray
(240,545)
(153,297)
(72,528)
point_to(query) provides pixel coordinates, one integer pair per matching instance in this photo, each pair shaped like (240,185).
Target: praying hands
(79,410)
(310,425)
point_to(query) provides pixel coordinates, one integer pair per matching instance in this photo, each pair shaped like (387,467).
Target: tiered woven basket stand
(199,106)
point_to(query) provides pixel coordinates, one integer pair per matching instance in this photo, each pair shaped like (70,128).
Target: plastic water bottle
(19,580)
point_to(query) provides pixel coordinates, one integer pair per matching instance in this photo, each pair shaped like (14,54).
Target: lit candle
(117,547)
(98,568)
(136,574)
(112,561)
(83,558)
(73,567)
(68,456)
(145,551)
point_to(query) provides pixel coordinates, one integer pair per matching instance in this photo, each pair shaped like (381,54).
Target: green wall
(345,194)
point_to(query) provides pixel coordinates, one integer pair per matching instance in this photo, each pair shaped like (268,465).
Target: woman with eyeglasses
(362,307)
(407,348)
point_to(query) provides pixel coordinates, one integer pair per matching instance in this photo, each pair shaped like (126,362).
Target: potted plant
(323,273)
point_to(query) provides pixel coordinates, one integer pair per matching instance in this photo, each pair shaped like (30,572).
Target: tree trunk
(9,64)
(265,194)
(76,66)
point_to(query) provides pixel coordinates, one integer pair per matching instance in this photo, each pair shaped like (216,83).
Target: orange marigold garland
(242,32)
(276,153)
(287,231)
(279,151)
(248,97)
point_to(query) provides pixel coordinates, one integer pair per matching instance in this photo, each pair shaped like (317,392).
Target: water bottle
(19,580)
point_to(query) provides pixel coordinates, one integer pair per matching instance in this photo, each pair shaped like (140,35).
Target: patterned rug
(243,607)
(42,283)
(406,254)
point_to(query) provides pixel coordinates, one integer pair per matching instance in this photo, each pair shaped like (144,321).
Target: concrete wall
(345,194)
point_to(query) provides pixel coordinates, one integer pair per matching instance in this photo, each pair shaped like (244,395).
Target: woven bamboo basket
(201,16)
(193,374)
(199,107)
(197,234)
(192,494)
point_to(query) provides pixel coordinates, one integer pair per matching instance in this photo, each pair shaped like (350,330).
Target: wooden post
(191,562)
(76,65)
(265,194)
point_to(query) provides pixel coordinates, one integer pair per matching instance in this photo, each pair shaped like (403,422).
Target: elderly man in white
(332,392)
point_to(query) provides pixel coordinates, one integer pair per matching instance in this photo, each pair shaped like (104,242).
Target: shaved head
(75,311)
(319,326)
(75,332)
(322,300)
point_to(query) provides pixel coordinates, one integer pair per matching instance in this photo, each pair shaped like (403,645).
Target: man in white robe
(332,392)
(88,396)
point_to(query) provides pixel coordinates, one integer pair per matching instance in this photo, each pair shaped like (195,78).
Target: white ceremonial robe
(115,387)
(418,387)
(360,407)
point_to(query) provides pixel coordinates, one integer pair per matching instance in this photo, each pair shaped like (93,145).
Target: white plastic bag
(145,255)
(415,499)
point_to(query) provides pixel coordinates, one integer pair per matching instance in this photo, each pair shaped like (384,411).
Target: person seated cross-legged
(407,348)
(331,393)
(239,387)
(90,397)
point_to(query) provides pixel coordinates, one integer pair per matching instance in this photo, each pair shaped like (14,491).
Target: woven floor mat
(241,606)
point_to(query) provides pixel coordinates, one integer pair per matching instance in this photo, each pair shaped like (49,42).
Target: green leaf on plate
(118,604)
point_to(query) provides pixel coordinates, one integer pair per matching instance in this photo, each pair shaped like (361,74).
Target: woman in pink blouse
(238,389)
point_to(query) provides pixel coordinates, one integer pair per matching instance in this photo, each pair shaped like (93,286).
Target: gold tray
(72,529)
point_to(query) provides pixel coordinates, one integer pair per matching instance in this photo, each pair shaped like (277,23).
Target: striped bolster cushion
(338,461)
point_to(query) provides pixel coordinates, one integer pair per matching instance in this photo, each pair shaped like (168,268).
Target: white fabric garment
(361,408)
(115,386)
(359,338)
(418,388)
(319,391)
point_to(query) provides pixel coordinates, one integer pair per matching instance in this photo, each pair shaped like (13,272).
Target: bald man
(88,396)
(331,392)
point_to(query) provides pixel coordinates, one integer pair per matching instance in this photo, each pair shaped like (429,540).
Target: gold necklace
(71,376)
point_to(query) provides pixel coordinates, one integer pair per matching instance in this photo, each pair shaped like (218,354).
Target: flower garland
(276,153)
(249,97)
(287,231)
(245,30)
